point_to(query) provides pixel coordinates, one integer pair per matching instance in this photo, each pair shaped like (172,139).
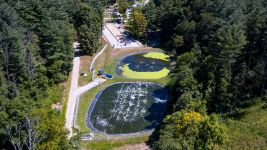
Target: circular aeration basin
(127,108)
(145,65)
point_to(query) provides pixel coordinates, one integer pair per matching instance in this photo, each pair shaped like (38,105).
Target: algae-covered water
(151,65)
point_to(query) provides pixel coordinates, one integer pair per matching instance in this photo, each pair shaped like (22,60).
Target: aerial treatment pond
(127,108)
(146,65)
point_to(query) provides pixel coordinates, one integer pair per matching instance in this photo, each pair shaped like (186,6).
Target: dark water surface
(124,108)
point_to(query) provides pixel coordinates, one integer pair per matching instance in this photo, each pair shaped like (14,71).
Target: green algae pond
(146,65)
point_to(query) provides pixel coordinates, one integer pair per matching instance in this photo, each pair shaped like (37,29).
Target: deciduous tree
(138,23)
(122,5)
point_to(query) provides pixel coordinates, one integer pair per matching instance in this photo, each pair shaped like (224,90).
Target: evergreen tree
(88,23)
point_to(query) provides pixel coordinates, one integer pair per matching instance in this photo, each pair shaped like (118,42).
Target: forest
(36,55)
(221,66)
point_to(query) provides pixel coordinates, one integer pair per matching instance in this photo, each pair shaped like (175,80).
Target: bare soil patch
(113,53)
(141,146)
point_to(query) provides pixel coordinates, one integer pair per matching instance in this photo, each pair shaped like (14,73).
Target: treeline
(88,22)
(221,65)
(36,55)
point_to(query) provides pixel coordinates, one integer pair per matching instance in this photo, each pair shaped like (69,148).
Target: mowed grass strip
(111,144)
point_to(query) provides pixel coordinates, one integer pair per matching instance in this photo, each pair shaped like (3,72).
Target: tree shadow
(153,39)
(157,112)
(237,115)
(77,53)
(168,110)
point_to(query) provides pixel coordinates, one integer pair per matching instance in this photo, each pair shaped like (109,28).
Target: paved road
(96,82)
(72,96)
(75,92)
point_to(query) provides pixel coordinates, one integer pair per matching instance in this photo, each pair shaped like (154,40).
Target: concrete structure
(118,38)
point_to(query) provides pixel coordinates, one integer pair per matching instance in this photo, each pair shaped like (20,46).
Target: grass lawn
(248,129)
(101,61)
(85,62)
(65,95)
(108,145)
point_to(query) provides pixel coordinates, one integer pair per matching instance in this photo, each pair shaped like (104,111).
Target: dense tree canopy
(219,48)
(190,130)
(226,40)
(89,24)
(122,5)
(35,55)
(221,63)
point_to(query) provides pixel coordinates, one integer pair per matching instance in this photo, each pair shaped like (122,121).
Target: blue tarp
(108,75)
